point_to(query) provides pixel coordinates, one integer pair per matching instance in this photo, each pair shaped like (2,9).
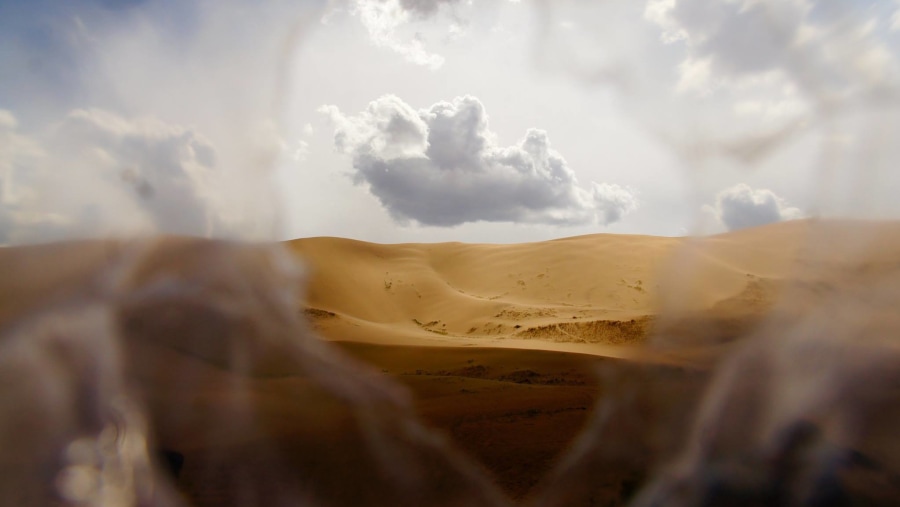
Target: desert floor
(561,372)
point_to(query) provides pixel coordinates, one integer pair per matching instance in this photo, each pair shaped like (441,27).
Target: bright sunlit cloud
(442,166)
(384,19)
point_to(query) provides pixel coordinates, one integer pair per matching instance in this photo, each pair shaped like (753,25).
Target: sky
(443,120)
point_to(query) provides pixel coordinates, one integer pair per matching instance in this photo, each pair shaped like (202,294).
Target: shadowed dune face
(755,368)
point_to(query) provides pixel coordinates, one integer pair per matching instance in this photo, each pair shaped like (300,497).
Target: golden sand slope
(600,289)
(580,290)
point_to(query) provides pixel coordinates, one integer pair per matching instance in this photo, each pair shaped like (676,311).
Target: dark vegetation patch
(614,332)
(317,313)
(526,376)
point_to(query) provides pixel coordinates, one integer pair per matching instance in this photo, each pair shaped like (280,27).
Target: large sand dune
(588,291)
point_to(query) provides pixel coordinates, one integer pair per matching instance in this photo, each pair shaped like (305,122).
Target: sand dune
(578,290)
(591,290)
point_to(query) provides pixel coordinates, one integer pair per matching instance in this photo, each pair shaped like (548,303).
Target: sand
(598,294)
(563,372)
(575,290)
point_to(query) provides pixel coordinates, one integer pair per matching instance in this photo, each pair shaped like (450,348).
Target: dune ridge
(593,290)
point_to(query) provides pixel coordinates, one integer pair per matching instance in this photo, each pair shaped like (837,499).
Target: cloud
(442,166)
(895,19)
(217,67)
(18,155)
(738,37)
(825,49)
(741,206)
(166,167)
(384,18)
(97,173)
(424,8)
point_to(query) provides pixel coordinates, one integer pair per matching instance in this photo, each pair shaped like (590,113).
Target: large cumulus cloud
(442,166)
(95,173)
(742,206)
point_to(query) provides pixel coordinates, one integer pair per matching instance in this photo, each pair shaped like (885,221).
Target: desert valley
(759,365)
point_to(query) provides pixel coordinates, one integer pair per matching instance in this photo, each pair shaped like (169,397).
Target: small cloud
(613,202)
(694,76)
(384,18)
(441,166)
(457,31)
(300,151)
(660,13)
(741,206)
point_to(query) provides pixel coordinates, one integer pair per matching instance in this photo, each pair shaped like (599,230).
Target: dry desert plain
(757,367)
